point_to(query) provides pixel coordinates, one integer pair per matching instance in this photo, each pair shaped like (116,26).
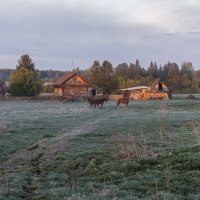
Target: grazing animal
(99,102)
(124,100)
(91,101)
(96,101)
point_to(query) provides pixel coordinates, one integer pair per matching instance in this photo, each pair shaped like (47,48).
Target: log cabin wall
(58,91)
(76,90)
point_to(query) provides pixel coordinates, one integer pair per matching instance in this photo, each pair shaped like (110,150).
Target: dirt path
(50,146)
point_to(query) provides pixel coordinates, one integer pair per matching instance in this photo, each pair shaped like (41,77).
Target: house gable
(70,78)
(76,80)
(159,86)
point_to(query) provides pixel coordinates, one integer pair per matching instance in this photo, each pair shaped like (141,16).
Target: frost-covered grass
(149,150)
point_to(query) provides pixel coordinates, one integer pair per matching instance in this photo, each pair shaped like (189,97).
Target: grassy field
(54,150)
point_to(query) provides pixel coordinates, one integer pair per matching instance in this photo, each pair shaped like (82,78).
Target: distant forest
(46,75)
(181,79)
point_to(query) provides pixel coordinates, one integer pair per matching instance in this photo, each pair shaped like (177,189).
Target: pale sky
(57,33)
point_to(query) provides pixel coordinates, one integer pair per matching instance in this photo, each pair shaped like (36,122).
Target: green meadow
(66,151)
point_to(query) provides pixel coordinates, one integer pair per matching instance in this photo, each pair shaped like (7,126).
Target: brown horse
(91,101)
(123,100)
(97,101)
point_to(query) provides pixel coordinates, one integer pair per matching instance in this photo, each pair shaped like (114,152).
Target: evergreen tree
(26,62)
(160,73)
(187,70)
(25,81)
(131,71)
(153,70)
(138,69)
(135,70)
(122,70)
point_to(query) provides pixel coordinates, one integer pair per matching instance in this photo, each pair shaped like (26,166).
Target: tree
(94,75)
(103,76)
(138,69)
(26,62)
(153,70)
(122,74)
(187,70)
(131,72)
(160,73)
(25,81)
(122,70)
(171,75)
(135,70)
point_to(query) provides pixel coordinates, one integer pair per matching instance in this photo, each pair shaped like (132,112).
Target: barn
(73,83)
(160,87)
(157,90)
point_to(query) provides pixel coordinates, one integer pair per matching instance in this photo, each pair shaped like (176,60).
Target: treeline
(5,74)
(45,75)
(181,79)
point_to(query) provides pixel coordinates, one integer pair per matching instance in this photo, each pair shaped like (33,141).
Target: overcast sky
(59,33)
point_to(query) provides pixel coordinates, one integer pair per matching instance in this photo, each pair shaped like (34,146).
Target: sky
(63,34)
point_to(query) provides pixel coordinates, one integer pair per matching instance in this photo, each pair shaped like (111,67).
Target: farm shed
(159,86)
(157,90)
(72,83)
(95,91)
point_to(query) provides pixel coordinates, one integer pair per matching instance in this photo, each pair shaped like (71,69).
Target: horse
(91,101)
(97,101)
(124,100)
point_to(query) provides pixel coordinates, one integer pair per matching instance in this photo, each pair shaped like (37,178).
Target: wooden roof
(67,76)
(97,88)
(152,86)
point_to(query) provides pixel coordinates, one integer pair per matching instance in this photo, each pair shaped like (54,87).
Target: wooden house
(74,85)
(157,90)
